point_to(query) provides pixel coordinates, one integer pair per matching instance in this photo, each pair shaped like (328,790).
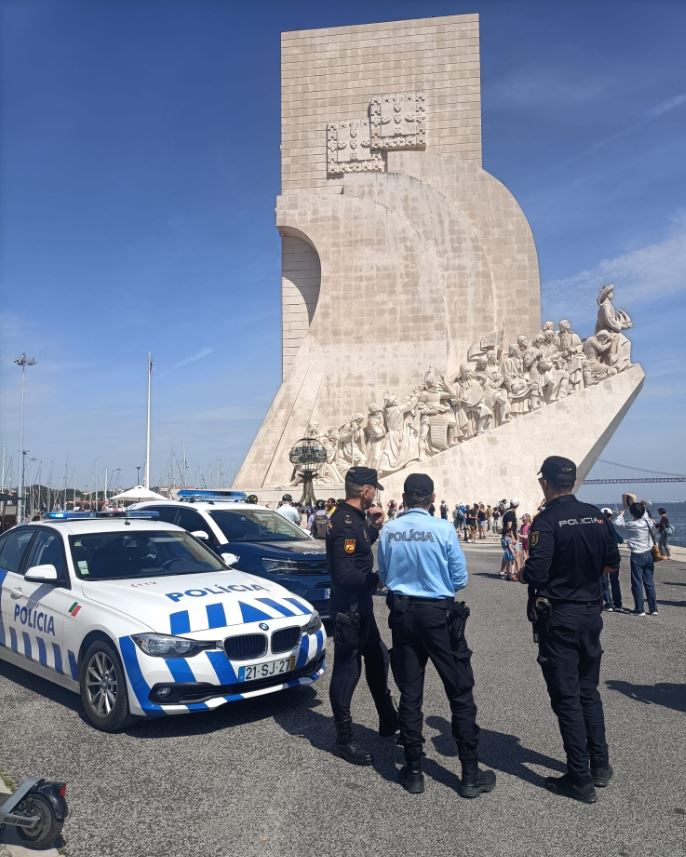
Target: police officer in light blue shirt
(422,564)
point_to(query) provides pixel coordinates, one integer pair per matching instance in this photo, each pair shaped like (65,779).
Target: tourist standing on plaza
(444,510)
(524,530)
(288,510)
(639,531)
(356,635)
(612,591)
(666,530)
(509,525)
(471,520)
(423,575)
(458,518)
(482,520)
(570,547)
(318,521)
(509,563)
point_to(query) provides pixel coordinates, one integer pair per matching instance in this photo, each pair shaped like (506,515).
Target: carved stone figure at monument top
(387,215)
(614,321)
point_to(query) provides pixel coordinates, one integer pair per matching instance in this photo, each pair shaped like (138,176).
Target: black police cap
(558,469)
(363,476)
(419,484)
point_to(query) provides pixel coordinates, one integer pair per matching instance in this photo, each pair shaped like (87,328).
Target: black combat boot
(475,781)
(602,776)
(411,776)
(346,748)
(568,788)
(389,722)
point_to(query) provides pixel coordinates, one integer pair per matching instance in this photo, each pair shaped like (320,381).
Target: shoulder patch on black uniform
(347,519)
(533,537)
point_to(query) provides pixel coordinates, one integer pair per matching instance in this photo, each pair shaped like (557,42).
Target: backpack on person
(320,526)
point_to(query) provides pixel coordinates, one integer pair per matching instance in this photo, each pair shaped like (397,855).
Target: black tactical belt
(441,602)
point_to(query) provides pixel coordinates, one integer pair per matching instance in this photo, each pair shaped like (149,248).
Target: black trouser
(419,634)
(569,655)
(347,665)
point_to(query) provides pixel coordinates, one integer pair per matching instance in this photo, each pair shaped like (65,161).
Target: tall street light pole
(22,361)
(146,472)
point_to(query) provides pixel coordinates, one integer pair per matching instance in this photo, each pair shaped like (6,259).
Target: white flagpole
(147,444)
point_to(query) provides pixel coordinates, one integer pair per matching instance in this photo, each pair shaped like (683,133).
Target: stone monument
(410,285)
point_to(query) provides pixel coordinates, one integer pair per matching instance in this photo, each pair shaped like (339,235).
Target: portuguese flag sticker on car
(74,609)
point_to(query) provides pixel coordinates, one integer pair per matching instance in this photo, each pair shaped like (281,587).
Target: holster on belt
(538,611)
(347,628)
(397,602)
(457,622)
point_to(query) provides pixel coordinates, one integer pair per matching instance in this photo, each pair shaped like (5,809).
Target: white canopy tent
(138,494)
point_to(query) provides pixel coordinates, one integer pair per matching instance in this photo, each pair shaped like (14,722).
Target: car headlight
(314,624)
(286,566)
(166,646)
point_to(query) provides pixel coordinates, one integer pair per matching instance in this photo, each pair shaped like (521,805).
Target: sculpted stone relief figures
(502,386)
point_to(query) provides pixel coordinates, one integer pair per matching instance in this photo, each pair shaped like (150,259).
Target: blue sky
(139,168)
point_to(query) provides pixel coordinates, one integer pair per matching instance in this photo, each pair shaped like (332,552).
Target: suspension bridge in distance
(611,473)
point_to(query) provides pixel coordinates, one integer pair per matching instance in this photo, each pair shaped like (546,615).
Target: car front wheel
(103,688)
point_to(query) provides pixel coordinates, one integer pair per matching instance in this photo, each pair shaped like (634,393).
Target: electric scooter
(37,809)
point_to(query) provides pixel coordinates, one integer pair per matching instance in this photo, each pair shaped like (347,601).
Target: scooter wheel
(46,828)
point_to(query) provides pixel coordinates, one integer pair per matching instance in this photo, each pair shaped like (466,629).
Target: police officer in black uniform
(356,636)
(570,547)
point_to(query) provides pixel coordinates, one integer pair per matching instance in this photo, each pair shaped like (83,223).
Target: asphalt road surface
(257,778)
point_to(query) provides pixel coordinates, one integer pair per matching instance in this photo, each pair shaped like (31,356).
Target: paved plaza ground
(257,778)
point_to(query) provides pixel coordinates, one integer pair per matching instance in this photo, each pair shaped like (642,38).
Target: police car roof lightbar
(99,516)
(211,494)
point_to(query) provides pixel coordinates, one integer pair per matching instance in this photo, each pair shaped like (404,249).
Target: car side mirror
(41,573)
(201,534)
(229,559)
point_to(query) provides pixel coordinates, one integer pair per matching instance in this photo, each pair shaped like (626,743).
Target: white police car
(144,620)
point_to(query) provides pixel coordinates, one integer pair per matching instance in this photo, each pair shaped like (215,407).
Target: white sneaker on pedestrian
(652,613)
(638,612)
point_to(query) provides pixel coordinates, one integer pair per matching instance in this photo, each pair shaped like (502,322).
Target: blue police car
(264,542)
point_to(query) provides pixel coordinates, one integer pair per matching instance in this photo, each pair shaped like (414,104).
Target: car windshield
(256,525)
(118,555)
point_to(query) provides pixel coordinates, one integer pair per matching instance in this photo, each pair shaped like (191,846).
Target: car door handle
(16,593)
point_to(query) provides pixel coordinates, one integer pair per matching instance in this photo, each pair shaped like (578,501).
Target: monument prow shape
(410,279)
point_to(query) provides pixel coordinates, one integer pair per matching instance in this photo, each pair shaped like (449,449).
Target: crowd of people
(646,536)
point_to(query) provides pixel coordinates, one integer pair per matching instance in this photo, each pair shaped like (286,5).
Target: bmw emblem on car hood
(264,626)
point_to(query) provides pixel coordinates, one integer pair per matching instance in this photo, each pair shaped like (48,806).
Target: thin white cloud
(200,355)
(646,274)
(666,106)
(646,118)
